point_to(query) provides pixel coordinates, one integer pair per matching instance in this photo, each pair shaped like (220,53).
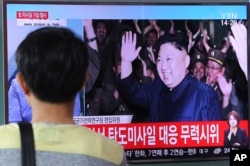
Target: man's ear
(187,61)
(22,83)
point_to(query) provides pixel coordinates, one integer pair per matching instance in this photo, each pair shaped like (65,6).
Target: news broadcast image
(169,107)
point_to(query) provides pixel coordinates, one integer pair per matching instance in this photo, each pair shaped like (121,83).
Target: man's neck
(52,113)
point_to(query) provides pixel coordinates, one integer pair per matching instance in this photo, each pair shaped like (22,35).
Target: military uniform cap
(198,57)
(217,56)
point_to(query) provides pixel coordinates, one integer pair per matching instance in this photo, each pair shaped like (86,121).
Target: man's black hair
(53,62)
(178,39)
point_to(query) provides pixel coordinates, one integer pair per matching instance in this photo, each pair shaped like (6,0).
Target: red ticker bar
(167,135)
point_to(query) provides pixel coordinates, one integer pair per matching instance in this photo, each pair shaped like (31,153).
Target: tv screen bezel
(109,3)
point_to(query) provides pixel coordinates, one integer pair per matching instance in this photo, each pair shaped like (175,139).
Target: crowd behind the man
(221,71)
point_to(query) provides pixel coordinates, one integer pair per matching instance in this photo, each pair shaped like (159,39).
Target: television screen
(172,95)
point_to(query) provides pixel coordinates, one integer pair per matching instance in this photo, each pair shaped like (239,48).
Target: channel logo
(239,157)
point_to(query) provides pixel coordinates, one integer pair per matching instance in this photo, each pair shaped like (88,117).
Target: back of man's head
(53,62)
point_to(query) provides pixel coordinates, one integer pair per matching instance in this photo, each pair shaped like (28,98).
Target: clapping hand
(239,43)
(225,86)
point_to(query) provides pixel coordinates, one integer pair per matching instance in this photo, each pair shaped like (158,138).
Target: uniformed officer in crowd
(218,77)
(198,65)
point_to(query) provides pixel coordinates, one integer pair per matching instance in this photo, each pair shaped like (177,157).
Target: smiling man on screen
(175,95)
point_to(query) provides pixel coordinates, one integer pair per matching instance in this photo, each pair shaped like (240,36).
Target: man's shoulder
(73,138)
(10,136)
(102,146)
(12,131)
(79,139)
(99,137)
(9,129)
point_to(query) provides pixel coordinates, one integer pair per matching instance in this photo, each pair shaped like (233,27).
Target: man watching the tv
(52,64)
(175,95)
